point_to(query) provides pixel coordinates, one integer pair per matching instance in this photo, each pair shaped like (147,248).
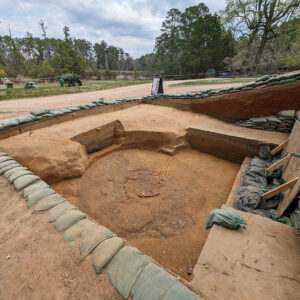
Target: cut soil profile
(159,203)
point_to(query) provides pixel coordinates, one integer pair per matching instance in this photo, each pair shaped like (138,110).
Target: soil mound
(49,155)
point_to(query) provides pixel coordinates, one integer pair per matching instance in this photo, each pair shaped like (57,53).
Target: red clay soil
(157,202)
(36,262)
(258,102)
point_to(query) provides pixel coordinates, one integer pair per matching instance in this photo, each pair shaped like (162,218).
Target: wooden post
(279,163)
(280,189)
(279,147)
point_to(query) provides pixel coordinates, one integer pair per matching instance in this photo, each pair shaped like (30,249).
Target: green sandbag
(59,210)
(25,120)
(79,229)
(125,268)
(18,174)
(40,112)
(75,108)
(24,181)
(11,164)
(56,113)
(10,172)
(68,219)
(179,292)
(283,219)
(34,187)
(5,158)
(65,110)
(263,78)
(3,154)
(287,113)
(49,202)
(152,284)
(105,252)
(93,239)
(10,123)
(38,195)
(226,218)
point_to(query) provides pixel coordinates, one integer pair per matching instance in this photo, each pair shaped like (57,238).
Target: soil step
(172,150)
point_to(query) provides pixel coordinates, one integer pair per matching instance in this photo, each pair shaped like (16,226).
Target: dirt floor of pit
(10,109)
(41,264)
(157,202)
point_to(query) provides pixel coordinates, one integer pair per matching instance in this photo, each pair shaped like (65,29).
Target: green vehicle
(30,85)
(70,79)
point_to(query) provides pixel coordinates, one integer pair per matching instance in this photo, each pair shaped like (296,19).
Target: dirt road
(10,109)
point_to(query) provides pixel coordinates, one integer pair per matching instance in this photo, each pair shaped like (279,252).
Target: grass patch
(51,89)
(216,81)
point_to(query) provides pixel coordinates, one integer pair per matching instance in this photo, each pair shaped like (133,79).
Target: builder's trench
(157,202)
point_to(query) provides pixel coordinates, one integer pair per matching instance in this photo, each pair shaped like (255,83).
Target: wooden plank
(280,147)
(280,189)
(237,183)
(288,199)
(293,145)
(279,163)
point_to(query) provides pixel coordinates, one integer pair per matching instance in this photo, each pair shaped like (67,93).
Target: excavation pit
(157,202)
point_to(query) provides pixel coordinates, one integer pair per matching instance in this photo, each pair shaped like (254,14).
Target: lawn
(51,89)
(216,81)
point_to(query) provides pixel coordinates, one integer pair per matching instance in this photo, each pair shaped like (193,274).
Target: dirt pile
(156,201)
(49,155)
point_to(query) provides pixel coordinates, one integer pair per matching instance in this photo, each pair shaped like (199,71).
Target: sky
(130,24)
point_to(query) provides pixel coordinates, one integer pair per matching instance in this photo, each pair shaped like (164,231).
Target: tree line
(46,57)
(246,35)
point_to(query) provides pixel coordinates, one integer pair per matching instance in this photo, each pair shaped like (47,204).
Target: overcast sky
(130,24)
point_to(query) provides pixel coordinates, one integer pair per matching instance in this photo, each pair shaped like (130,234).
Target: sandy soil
(158,202)
(41,264)
(166,119)
(10,109)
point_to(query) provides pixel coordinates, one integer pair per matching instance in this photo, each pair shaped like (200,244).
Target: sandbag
(80,228)
(40,112)
(56,113)
(10,123)
(65,110)
(24,181)
(105,252)
(5,158)
(263,78)
(68,219)
(3,154)
(75,108)
(18,174)
(38,195)
(25,120)
(59,210)
(49,202)
(125,268)
(12,165)
(34,187)
(226,218)
(93,239)
(152,284)
(10,172)
(287,113)
(179,292)
(7,163)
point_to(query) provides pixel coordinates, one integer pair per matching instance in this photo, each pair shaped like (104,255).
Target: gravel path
(10,109)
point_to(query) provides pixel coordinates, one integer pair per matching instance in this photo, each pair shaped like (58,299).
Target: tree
(67,36)
(168,43)
(46,70)
(258,20)
(101,54)
(66,60)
